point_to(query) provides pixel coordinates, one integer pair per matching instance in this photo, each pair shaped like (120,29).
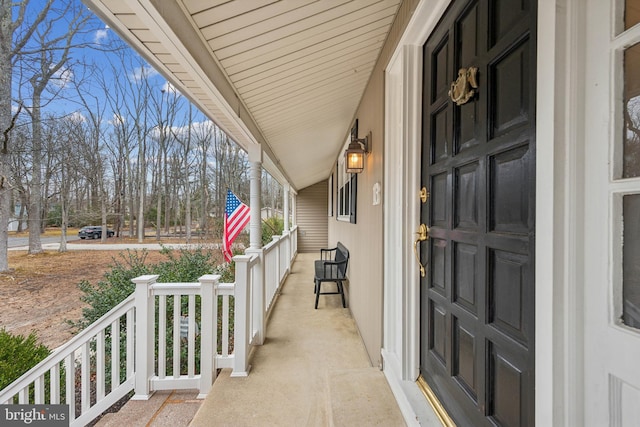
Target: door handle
(423,234)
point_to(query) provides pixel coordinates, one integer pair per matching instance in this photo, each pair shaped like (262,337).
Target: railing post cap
(146,279)
(242,258)
(209,278)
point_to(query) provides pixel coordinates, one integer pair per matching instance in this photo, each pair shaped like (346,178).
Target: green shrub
(17,355)
(186,266)
(113,289)
(226,272)
(272,226)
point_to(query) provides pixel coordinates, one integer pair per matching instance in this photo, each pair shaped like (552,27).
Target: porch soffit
(288,74)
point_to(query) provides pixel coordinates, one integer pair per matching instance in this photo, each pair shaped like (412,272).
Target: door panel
(478,164)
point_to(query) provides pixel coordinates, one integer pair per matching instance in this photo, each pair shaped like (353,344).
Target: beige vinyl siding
(365,238)
(311,214)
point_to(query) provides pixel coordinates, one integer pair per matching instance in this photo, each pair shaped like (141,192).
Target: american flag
(236,217)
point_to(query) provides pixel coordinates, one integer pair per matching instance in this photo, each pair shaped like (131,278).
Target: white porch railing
(120,352)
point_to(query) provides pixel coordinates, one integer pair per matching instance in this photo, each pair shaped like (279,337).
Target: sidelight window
(626,186)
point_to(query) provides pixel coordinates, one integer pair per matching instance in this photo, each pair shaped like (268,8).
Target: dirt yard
(41,291)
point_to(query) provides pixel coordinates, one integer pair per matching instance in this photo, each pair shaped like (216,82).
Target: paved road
(113,246)
(24,241)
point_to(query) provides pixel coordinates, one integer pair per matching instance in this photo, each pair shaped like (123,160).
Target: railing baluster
(162,336)
(39,390)
(54,384)
(225,325)
(85,374)
(191,337)
(23,396)
(115,354)
(70,384)
(130,342)
(177,315)
(100,366)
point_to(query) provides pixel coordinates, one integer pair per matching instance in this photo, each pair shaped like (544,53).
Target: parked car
(93,232)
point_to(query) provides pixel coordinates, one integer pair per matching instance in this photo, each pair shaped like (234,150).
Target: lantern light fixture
(354,154)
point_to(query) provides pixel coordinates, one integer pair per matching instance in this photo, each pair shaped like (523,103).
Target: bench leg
(341,290)
(317,293)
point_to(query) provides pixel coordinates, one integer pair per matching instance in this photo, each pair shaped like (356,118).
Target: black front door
(478,165)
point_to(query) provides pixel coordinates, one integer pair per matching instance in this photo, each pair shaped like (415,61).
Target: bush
(272,226)
(226,272)
(186,266)
(113,289)
(17,355)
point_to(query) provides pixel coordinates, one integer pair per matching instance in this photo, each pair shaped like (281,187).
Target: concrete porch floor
(312,370)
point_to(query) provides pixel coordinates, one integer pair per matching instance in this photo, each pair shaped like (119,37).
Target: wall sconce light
(354,154)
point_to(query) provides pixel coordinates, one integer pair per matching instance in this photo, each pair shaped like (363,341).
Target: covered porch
(312,369)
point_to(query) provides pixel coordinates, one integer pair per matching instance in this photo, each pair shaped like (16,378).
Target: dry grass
(40,292)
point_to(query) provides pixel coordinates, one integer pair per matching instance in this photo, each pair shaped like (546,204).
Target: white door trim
(402,147)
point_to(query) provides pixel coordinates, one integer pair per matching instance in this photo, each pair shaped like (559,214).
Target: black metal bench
(331,267)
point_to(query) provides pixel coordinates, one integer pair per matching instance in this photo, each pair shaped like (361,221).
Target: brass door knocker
(463,88)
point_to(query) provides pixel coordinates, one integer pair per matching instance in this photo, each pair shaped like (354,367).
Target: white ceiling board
(227,10)
(294,64)
(254,23)
(281,28)
(299,49)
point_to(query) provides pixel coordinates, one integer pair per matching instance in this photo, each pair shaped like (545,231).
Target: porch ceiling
(287,74)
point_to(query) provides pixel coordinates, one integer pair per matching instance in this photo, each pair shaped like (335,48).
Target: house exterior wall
(311,215)
(364,239)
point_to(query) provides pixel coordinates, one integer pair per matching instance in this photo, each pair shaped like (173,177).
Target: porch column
(255,244)
(255,177)
(287,187)
(294,220)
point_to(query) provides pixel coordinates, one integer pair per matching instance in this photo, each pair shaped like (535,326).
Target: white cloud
(76,117)
(142,73)
(62,77)
(101,35)
(169,88)
(117,120)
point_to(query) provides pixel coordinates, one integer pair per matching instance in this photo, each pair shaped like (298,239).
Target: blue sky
(60,97)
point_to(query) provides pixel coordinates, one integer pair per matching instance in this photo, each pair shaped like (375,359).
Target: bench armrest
(325,254)
(330,265)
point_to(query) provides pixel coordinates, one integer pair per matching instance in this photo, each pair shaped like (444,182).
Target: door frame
(559,336)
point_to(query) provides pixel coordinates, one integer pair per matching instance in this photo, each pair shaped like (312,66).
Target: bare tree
(186,142)
(42,62)
(95,165)
(12,41)
(203,136)
(121,143)
(70,136)
(129,97)
(166,107)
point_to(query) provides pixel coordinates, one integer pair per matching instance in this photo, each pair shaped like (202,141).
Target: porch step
(164,408)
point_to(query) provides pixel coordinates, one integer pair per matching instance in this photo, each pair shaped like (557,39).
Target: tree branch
(5,139)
